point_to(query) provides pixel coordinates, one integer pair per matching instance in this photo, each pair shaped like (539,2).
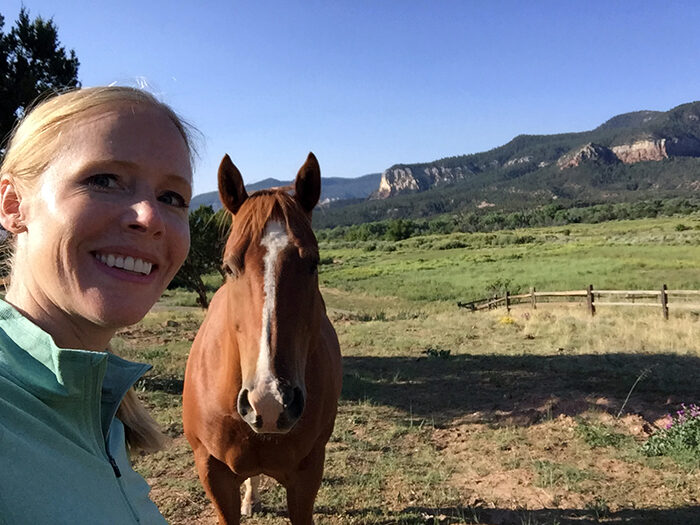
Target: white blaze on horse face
(275,240)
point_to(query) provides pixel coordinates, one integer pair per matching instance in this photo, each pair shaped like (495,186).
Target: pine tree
(33,63)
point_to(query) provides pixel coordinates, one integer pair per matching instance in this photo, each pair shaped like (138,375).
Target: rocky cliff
(588,153)
(642,136)
(404,179)
(641,151)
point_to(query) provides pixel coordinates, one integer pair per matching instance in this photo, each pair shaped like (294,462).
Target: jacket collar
(30,356)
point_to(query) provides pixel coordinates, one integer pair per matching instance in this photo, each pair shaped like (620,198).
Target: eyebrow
(95,164)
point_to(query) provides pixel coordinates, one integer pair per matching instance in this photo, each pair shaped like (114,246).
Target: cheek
(180,242)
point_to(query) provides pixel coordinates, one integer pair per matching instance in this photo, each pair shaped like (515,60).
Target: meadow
(449,416)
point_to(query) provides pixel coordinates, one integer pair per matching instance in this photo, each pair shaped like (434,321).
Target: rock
(519,160)
(588,153)
(395,181)
(402,179)
(641,150)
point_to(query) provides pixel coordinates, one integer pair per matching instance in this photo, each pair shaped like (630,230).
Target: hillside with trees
(631,157)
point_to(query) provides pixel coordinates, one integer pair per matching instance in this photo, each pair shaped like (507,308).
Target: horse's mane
(248,224)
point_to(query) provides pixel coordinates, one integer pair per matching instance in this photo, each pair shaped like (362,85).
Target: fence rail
(593,299)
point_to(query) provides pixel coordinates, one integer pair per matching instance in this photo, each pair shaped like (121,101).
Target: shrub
(399,229)
(452,244)
(437,353)
(500,286)
(680,439)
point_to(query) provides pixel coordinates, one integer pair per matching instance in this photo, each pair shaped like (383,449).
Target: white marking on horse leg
(266,398)
(251,497)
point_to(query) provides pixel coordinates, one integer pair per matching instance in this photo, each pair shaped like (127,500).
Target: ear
(307,186)
(11,216)
(231,189)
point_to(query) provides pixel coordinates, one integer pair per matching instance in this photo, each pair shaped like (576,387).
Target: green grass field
(449,416)
(621,254)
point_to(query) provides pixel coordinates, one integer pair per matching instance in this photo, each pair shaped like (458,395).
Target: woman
(94,188)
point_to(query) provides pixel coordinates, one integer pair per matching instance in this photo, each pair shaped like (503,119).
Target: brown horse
(264,374)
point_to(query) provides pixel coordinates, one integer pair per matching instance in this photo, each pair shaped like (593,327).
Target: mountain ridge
(630,156)
(632,137)
(332,189)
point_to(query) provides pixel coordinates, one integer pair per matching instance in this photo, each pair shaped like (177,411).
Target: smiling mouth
(130,264)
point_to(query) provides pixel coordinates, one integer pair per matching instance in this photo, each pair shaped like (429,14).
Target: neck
(66,330)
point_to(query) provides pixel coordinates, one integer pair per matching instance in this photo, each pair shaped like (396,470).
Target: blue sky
(367,84)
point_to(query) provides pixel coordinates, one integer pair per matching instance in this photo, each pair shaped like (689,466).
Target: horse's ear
(307,186)
(231,189)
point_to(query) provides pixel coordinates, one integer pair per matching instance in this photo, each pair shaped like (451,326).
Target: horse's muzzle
(264,412)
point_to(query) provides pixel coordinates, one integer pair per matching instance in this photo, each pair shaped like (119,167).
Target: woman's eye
(172,198)
(105,181)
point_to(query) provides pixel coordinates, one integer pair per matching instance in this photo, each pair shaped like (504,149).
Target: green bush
(680,439)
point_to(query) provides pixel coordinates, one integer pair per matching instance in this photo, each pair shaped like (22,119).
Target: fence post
(533,300)
(590,299)
(664,302)
(507,301)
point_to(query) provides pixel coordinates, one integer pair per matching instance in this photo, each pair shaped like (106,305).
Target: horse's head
(271,257)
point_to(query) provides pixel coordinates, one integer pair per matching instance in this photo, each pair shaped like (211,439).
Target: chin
(117,314)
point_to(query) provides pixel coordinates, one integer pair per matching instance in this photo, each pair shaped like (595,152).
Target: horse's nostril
(243,403)
(258,422)
(287,396)
(293,408)
(296,407)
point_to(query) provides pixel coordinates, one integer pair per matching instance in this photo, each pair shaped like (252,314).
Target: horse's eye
(233,266)
(230,270)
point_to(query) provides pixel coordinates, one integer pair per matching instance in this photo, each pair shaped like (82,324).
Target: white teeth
(126,263)
(129,264)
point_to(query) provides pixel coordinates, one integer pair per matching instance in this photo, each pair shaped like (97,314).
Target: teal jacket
(63,457)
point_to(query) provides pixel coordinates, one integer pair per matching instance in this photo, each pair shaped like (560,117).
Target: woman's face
(107,223)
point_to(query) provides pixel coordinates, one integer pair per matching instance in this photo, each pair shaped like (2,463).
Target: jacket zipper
(112,462)
(118,475)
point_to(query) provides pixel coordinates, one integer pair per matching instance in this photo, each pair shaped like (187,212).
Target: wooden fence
(662,298)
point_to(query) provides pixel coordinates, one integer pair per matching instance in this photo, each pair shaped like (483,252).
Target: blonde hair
(34,142)
(32,146)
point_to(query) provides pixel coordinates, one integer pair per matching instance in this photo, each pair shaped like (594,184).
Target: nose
(145,217)
(273,411)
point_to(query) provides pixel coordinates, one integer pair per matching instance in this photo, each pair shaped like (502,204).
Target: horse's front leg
(221,485)
(302,487)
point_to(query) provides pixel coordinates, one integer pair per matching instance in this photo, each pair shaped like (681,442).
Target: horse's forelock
(271,205)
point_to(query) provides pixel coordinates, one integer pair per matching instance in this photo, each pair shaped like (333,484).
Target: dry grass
(620,329)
